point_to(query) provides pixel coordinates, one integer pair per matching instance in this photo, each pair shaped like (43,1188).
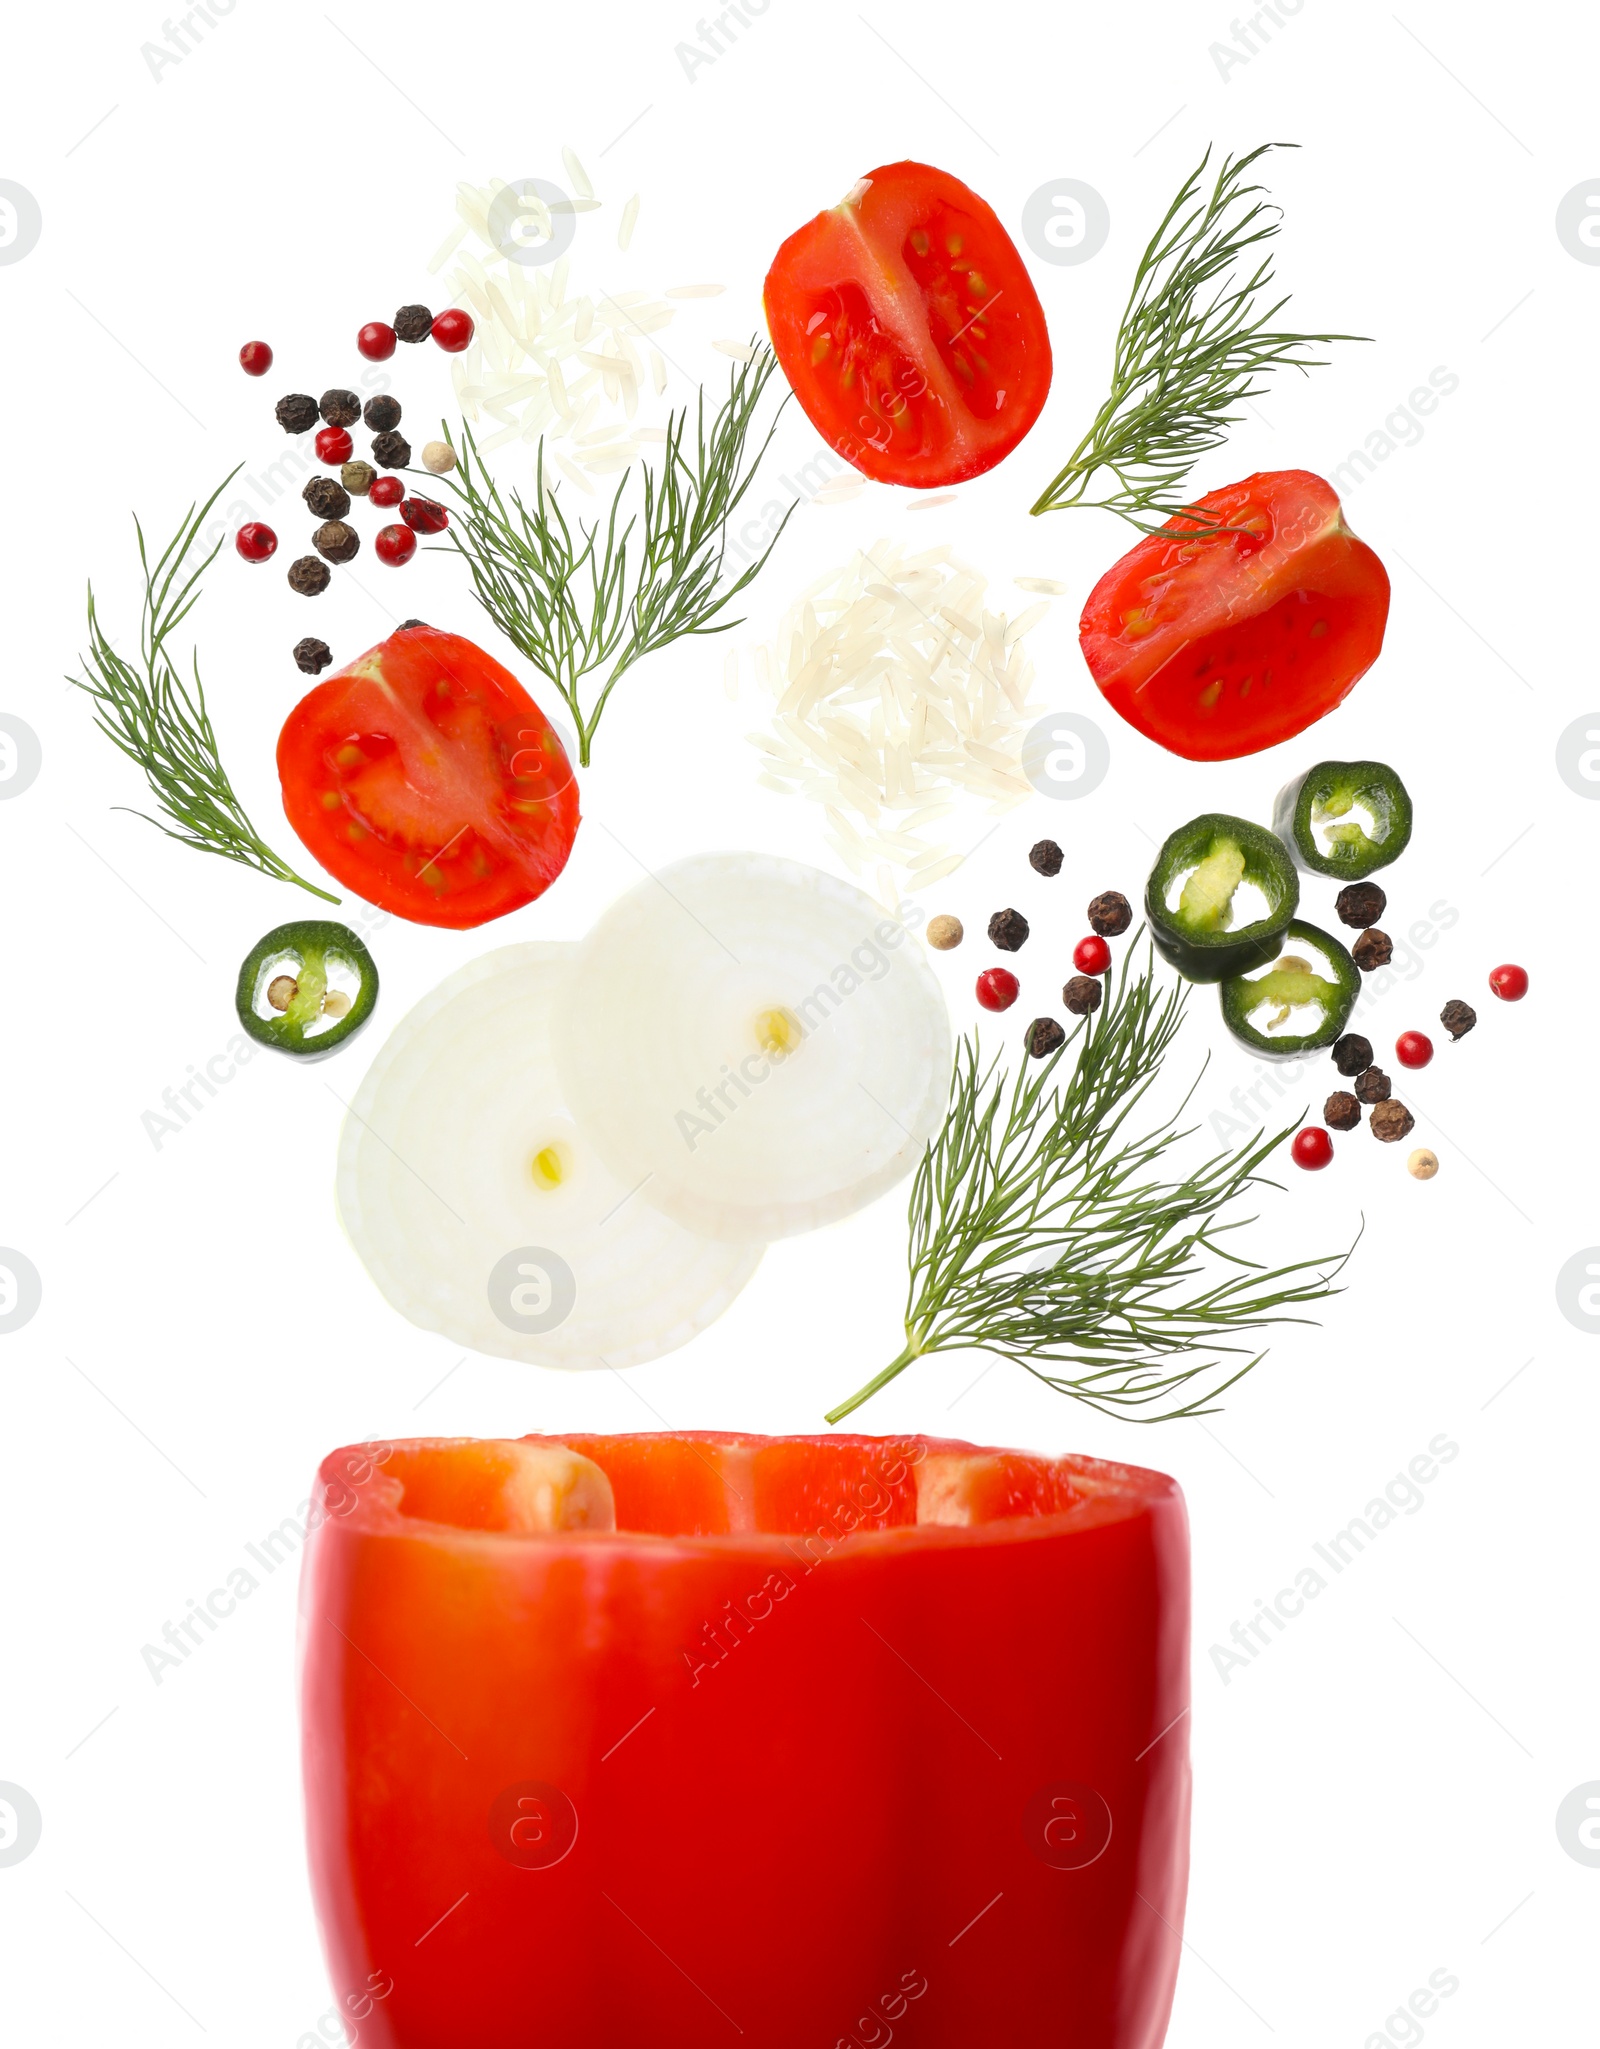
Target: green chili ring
(1245,995)
(1331,790)
(317,958)
(1220,852)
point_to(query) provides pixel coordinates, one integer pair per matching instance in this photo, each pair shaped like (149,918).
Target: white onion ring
(437,1186)
(658,1039)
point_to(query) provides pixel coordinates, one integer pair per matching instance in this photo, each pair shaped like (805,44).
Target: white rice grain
(900,699)
(576,172)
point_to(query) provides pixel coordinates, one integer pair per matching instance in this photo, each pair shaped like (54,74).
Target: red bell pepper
(637,1743)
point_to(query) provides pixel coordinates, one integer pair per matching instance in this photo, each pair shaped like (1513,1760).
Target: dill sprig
(1042,1232)
(1196,342)
(161,722)
(575,600)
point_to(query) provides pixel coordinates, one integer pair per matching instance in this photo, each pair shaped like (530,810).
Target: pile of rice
(548,361)
(902,702)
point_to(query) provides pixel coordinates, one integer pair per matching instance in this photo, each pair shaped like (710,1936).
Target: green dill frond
(161,722)
(1197,342)
(601,597)
(1044,1230)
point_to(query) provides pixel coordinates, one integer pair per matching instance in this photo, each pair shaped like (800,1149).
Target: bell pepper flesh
(818,1723)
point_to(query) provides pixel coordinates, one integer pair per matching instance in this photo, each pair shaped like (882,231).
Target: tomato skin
(756,1775)
(1221,646)
(909,329)
(428,781)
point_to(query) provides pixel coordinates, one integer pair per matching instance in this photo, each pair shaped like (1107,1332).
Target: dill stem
(876,1385)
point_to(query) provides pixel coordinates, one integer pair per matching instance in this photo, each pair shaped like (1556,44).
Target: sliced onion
(459,1152)
(669,1040)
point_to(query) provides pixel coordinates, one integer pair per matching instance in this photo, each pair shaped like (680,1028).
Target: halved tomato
(909,328)
(428,781)
(1219,644)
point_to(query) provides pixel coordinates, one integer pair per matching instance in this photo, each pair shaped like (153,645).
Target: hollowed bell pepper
(645,1741)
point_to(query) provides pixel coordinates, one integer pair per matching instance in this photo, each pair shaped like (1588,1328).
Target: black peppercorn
(1042,1037)
(1341,1112)
(1008,930)
(1458,1018)
(1360,904)
(336,541)
(340,408)
(311,657)
(326,499)
(1046,857)
(413,323)
(357,478)
(392,450)
(1083,995)
(296,414)
(1352,1053)
(1391,1120)
(1110,914)
(308,576)
(1374,949)
(1372,1085)
(382,413)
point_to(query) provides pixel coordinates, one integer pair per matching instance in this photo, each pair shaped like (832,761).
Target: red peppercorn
(334,445)
(453,329)
(386,491)
(376,341)
(1091,956)
(256,542)
(1312,1148)
(255,359)
(395,545)
(1413,1049)
(1509,982)
(425,515)
(998,988)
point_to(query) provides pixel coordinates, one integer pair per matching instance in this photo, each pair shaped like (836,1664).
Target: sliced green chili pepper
(1258,1008)
(1322,806)
(1213,857)
(306,987)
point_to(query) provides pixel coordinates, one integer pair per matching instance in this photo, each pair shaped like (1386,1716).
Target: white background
(1376,1793)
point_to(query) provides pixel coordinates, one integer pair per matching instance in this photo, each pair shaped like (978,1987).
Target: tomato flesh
(909,329)
(1217,645)
(428,781)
